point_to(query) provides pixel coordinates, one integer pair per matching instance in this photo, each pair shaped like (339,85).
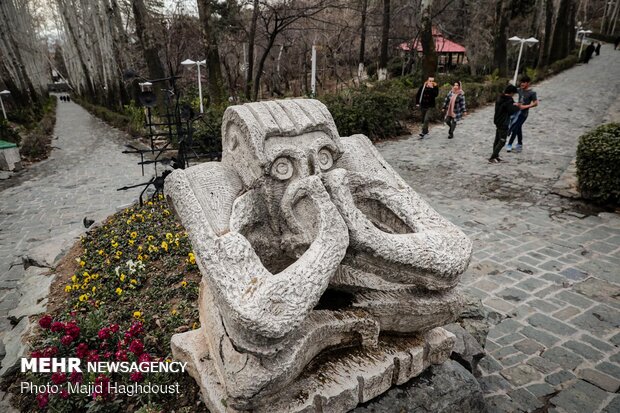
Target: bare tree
(385,37)
(429,63)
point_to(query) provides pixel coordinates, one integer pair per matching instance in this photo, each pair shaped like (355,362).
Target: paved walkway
(51,198)
(551,269)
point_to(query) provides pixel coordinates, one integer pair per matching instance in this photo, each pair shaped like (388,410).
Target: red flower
(76,377)
(42,400)
(121,355)
(104,333)
(36,354)
(64,394)
(59,378)
(93,356)
(136,347)
(136,329)
(72,329)
(104,383)
(50,351)
(144,358)
(114,328)
(108,355)
(45,321)
(66,340)
(57,327)
(136,376)
(81,350)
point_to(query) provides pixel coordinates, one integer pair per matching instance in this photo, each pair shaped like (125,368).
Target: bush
(8,133)
(373,110)
(35,145)
(598,157)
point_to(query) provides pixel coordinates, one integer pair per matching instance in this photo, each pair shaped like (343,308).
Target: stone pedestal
(335,382)
(9,157)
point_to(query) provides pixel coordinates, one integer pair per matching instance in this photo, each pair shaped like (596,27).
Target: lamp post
(189,62)
(516,39)
(583,34)
(4,93)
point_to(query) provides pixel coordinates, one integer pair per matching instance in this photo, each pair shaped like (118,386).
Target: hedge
(598,157)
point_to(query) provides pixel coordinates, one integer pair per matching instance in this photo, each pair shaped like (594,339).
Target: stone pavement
(49,200)
(548,265)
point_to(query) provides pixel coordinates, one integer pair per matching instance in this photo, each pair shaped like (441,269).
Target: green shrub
(598,157)
(35,145)
(8,133)
(373,110)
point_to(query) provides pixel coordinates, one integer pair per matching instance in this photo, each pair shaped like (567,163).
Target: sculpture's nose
(313,167)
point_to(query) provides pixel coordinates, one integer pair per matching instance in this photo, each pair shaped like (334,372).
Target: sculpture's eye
(282,168)
(325,159)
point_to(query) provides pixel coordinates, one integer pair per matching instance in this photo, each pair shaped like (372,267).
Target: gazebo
(449,53)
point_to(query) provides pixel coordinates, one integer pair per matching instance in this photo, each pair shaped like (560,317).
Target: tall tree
(502,18)
(150,49)
(362,55)
(429,62)
(215,79)
(249,69)
(563,31)
(385,37)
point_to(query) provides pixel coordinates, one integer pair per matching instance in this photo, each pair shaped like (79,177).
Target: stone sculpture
(325,276)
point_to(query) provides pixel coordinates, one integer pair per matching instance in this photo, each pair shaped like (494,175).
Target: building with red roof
(449,53)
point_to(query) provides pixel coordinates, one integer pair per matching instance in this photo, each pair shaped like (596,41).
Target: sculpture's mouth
(380,215)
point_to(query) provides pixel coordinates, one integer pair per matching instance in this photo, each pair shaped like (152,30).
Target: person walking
(505,107)
(527,99)
(598,48)
(454,107)
(588,52)
(425,100)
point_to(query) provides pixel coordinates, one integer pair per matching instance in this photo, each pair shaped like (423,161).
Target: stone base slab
(336,382)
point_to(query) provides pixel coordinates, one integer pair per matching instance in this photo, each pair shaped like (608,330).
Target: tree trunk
(249,74)
(543,57)
(362,55)
(500,41)
(385,37)
(429,62)
(561,37)
(261,62)
(215,79)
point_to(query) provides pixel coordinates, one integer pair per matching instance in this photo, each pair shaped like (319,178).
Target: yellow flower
(149,203)
(169,236)
(137,314)
(140,248)
(195,325)
(166,212)
(94,289)
(74,279)
(164,245)
(133,281)
(131,242)
(173,312)
(119,253)
(85,274)
(68,289)
(94,276)
(133,234)
(129,222)
(118,290)
(82,263)
(122,277)
(191,258)
(83,297)
(114,244)
(150,238)
(140,257)
(100,252)
(183,283)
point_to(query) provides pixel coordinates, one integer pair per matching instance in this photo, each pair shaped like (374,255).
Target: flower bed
(133,286)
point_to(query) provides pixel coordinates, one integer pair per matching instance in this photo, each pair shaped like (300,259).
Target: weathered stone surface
(34,290)
(341,382)
(10,159)
(580,397)
(604,381)
(466,349)
(15,347)
(308,241)
(521,374)
(444,388)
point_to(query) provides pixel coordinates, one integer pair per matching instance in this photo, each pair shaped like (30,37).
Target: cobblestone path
(51,198)
(541,261)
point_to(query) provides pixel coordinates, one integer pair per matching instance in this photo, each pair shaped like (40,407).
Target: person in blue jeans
(527,100)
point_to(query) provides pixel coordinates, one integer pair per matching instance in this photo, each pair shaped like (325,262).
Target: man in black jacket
(504,108)
(425,100)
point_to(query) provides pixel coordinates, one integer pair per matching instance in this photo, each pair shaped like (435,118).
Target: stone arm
(258,308)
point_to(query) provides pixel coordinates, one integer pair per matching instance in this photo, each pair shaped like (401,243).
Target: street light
(4,93)
(189,62)
(516,39)
(583,34)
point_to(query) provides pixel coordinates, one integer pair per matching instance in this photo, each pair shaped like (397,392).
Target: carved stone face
(288,185)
